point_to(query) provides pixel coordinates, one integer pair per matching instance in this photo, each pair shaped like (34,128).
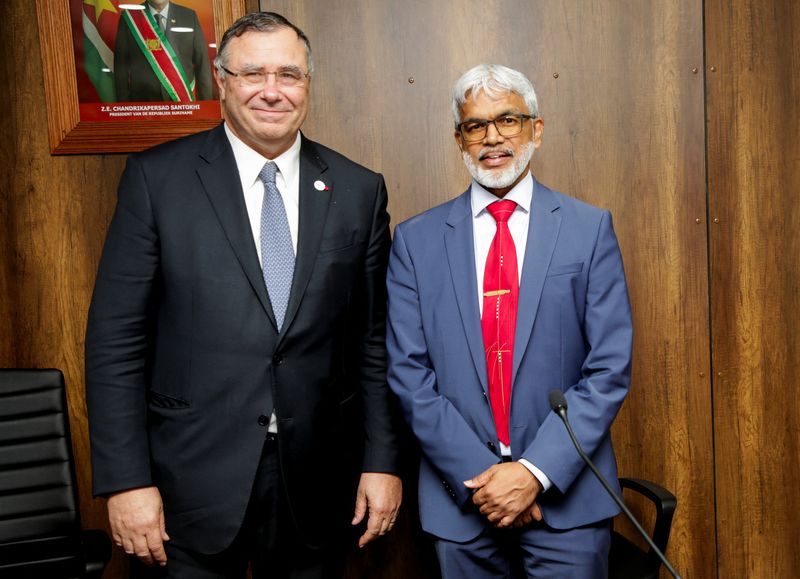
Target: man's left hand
(380,495)
(506,491)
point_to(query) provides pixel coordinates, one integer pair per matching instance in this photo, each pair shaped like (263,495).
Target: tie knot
(268,172)
(502,210)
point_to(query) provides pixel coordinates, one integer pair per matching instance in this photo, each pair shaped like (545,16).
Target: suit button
(277,359)
(263,420)
(491,445)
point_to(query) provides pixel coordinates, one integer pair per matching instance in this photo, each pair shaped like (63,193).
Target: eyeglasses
(474,130)
(287,77)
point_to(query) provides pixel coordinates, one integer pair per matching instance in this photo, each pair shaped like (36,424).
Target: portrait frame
(67,133)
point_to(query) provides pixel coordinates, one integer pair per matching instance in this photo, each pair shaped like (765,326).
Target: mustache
(485,152)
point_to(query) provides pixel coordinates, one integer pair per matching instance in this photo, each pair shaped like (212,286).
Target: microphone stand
(559,405)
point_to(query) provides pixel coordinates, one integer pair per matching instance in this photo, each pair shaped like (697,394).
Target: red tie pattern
(499,319)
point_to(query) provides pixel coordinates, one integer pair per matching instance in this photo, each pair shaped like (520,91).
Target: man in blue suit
(488,312)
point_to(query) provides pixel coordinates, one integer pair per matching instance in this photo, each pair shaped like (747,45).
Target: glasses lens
(289,77)
(283,78)
(473,130)
(252,78)
(509,125)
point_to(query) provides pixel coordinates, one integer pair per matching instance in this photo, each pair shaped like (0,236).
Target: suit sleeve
(123,43)
(381,451)
(445,438)
(201,64)
(605,375)
(118,340)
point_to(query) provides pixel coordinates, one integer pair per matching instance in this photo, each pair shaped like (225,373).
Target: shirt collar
(521,194)
(164,11)
(250,162)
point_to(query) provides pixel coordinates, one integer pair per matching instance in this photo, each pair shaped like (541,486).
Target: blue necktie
(277,253)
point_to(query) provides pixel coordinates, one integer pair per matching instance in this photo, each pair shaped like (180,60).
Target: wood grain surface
(623,111)
(753,82)
(626,97)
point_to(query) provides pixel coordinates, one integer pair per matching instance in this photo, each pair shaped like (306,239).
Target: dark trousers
(267,541)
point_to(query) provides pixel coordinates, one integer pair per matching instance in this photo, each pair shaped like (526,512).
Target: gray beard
(494,179)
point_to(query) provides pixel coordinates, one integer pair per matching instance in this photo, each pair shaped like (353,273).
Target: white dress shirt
(249,163)
(163,12)
(483,229)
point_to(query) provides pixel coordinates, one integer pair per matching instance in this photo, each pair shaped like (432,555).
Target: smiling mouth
(495,155)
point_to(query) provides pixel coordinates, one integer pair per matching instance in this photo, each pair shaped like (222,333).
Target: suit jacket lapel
(313,212)
(220,178)
(545,221)
(460,249)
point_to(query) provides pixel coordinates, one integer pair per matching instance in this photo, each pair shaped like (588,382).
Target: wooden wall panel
(624,115)
(7,159)
(753,79)
(624,129)
(54,213)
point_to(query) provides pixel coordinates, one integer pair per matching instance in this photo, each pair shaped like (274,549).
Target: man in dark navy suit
(235,352)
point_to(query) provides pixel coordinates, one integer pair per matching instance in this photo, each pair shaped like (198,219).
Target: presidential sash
(159,53)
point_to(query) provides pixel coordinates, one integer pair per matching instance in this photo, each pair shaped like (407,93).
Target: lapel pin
(320,186)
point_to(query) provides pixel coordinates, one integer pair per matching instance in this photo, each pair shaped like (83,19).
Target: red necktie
(499,319)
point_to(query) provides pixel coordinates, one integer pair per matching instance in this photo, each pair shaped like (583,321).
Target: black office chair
(40,533)
(626,560)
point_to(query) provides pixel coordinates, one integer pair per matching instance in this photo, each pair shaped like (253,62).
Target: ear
(457,136)
(220,83)
(538,130)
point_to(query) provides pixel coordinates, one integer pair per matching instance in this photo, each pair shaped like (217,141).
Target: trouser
(534,551)
(267,541)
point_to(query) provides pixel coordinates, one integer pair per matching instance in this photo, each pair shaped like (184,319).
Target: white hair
(493,80)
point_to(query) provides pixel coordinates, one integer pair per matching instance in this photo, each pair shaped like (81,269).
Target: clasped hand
(506,495)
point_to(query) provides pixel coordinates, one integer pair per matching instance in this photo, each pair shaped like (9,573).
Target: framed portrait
(124,75)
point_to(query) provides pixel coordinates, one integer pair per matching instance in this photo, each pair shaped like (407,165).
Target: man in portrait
(160,54)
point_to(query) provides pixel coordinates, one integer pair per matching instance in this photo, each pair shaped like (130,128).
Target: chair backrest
(39,521)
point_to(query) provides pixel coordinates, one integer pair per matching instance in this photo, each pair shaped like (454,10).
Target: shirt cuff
(546,482)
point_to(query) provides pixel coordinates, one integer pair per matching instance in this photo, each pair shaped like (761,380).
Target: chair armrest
(96,547)
(665,503)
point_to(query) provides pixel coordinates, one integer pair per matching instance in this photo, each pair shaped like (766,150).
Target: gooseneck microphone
(558,403)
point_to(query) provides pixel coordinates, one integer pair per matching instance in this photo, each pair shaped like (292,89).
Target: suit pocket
(159,400)
(337,242)
(350,397)
(564,269)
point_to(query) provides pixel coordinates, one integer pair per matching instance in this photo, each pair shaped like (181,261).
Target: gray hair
(258,22)
(493,80)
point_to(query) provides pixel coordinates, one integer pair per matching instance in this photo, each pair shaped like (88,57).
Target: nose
(270,90)
(493,136)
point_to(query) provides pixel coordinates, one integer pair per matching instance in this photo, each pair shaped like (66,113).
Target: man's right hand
(137,524)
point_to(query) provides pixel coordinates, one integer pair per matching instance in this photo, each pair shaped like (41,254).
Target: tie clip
(494,293)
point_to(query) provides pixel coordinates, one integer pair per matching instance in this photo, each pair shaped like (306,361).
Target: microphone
(558,403)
